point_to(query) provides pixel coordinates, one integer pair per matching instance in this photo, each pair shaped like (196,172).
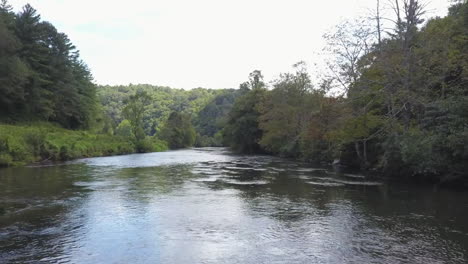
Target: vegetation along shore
(395,101)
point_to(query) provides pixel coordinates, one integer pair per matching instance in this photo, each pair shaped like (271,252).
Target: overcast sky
(198,43)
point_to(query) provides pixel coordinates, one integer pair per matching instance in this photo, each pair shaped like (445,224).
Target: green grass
(23,144)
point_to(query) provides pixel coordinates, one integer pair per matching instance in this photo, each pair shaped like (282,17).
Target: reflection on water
(211,206)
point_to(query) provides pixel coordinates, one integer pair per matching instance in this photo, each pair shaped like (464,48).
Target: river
(212,206)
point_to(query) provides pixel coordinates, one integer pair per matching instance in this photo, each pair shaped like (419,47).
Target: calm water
(210,206)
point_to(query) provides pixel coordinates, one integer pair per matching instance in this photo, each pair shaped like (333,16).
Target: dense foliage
(404,111)
(41,74)
(403,107)
(242,127)
(207,109)
(211,120)
(43,79)
(178,131)
(20,144)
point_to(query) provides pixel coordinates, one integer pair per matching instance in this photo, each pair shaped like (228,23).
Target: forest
(205,110)
(401,109)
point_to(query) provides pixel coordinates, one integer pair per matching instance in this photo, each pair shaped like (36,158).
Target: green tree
(13,71)
(178,131)
(242,130)
(286,111)
(34,51)
(134,110)
(41,75)
(213,117)
(124,129)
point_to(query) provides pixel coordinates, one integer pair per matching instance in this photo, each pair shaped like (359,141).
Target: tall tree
(134,110)
(34,52)
(242,130)
(178,131)
(13,71)
(41,75)
(286,104)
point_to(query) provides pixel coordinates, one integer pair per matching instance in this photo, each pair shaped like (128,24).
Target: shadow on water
(411,223)
(211,206)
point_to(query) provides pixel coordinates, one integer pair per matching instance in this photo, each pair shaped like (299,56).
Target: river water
(212,206)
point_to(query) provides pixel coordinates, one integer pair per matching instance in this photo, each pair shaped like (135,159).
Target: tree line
(402,105)
(43,79)
(403,109)
(41,74)
(182,118)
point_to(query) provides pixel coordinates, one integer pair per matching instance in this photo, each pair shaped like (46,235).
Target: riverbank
(449,181)
(21,144)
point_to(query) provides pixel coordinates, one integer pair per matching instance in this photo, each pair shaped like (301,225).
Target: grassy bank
(23,144)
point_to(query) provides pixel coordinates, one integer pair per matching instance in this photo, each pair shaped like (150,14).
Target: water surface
(211,206)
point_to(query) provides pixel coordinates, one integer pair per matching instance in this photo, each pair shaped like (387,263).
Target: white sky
(198,43)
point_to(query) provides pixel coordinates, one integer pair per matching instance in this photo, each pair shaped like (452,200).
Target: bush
(19,149)
(159,145)
(36,140)
(5,160)
(151,145)
(144,145)
(21,144)
(50,152)
(3,144)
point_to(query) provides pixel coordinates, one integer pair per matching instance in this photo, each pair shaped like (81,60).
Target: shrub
(5,160)
(159,145)
(36,140)
(21,144)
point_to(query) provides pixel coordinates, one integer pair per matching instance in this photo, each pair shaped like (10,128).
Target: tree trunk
(379,32)
(364,153)
(358,151)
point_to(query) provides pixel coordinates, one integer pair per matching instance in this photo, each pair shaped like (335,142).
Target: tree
(41,75)
(178,131)
(347,44)
(13,71)
(285,111)
(134,110)
(34,52)
(124,129)
(212,118)
(242,130)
